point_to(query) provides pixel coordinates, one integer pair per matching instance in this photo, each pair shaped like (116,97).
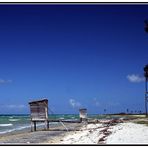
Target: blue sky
(75,55)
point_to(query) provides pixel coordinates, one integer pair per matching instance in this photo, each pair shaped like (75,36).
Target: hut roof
(82,109)
(38,101)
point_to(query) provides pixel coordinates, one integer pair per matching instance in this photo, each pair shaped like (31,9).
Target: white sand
(122,133)
(89,134)
(128,133)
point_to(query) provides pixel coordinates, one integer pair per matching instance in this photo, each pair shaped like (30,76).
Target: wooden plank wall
(39,110)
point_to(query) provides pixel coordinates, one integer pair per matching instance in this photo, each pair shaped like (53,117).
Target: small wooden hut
(83,114)
(39,113)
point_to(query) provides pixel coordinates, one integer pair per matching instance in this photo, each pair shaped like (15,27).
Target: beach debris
(90,131)
(105,132)
(112,122)
(101,140)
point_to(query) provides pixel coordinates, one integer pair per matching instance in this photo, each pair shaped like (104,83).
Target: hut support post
(46,124)
(31,126)
(34,125)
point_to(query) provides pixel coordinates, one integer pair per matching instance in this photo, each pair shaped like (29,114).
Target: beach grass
(142,122)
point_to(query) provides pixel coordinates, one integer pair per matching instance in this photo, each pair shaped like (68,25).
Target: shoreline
(98,132)
(41,136)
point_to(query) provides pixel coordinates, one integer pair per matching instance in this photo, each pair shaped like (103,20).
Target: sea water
(10,123)
(13,123)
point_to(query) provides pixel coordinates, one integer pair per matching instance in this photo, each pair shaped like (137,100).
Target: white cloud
(135,78)
(13,106)
(2,81)
(96,102)
(74,103)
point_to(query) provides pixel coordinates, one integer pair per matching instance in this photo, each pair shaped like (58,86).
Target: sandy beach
(100,132)
(128,133)
(110,132)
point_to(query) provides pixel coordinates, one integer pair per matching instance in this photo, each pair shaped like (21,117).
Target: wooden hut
(39,113)
(83,114)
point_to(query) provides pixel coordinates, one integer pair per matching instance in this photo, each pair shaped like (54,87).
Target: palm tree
(127,110)
(140,111)
(104,111)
